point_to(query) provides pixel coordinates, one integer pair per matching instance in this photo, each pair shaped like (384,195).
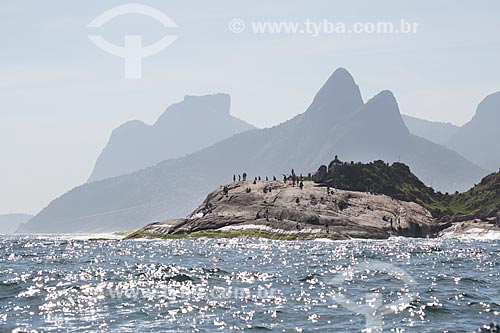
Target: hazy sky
(61,96)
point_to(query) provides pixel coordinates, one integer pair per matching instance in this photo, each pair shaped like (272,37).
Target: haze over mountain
(336,123)
(9,223)
(479,139)
(195,123)
(437,132)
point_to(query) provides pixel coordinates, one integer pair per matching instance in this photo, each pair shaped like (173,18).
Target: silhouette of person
(244,176)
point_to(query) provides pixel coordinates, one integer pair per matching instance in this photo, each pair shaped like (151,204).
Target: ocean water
(68,284)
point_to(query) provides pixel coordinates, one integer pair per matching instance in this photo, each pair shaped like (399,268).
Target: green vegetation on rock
(482,197)
(399,182)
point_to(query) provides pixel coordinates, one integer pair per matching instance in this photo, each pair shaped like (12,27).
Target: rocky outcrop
(472,229)
(279,208)
(320,175)
(483,224)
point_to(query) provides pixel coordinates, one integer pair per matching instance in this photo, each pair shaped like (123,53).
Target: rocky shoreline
(277,209)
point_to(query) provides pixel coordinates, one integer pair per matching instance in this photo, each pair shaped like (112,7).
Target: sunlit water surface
(72,284)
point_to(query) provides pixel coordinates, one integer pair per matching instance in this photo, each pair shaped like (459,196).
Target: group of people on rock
(293,180)
(244,177)
(239,177)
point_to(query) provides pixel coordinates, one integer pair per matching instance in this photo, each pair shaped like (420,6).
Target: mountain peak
(218,103)
(339,95)
(382,111)
(385,96)
(210,105)
(185,127)
(489,106)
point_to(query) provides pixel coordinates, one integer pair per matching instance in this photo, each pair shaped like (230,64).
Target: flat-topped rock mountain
(337,122)
(279,209)
(185,127)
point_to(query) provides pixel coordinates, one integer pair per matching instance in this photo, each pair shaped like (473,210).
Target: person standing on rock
(301,185)
(297,201)
(244,176)
(239,178)
(234,178)
(328,190)
(327,227)
(274,178)
(284,179)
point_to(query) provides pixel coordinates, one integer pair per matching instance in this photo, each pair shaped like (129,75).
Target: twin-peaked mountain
(337,122)
(195,123)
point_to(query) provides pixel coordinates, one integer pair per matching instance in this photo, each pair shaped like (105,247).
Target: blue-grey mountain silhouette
(336,123)
(479,139)
(195,123)
(9,223)
(431,130)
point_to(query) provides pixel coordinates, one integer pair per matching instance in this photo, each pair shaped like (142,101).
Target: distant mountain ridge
(436,132)
(185,127)
(337,122)
(479,139)
(9,223)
